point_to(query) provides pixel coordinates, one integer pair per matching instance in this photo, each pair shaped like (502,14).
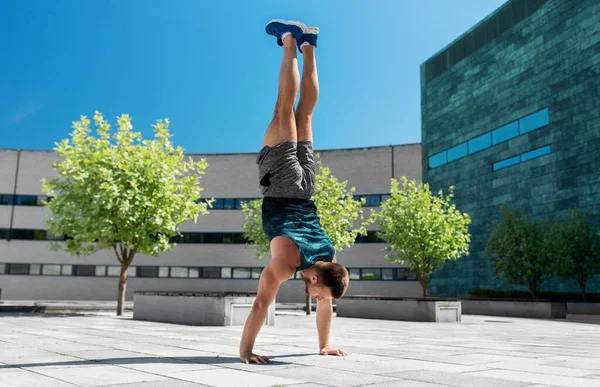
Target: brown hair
(335,277)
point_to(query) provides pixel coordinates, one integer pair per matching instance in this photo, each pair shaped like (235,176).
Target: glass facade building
(510,115)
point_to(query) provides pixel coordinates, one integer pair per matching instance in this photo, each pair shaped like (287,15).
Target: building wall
(549,60)
(227,176)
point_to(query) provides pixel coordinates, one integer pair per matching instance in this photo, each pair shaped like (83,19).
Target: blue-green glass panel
(458,152)
(481,142)
(372,200)
(534,121)
(505,132)
(438,159)
(507,163)
(535,153)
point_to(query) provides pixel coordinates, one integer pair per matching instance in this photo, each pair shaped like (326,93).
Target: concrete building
(212,255)
(510,115)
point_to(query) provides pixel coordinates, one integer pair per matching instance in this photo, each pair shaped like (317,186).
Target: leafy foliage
(422,229)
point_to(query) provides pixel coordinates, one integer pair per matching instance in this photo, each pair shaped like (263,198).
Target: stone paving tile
(458,380)
(534,378)
(162,383)
(229,378)
(23,378)
(541,369)
(332,377)
(101,375)
(161,365)
(575,365)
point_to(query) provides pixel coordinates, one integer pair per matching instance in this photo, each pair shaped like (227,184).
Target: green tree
(422,229)
(122,193)
(518,250)
(336,207)
(575,245)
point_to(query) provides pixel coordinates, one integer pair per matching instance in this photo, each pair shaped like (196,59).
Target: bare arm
(324,316)
(272,276)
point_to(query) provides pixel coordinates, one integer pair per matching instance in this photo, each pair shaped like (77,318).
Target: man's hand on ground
(333,352)
(252,358)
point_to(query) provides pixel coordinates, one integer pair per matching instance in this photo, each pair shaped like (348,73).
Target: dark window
(26,200)
(18,268)
(371,237)
(505,132)
(241,272)
(535,153)
(405,274)
(238,203)
(370,274)
(52,237)
(211,272)
(3,233)
(192,237)
(478,143)
(84,270)
(458,152)
(7,199)
(238,238)
(213,237)
(217,204)
(229,204)
(41,199)
(373,200)
(147,271)
(507,163)
(438,159)
(228,238)
(534,121)
(38,235)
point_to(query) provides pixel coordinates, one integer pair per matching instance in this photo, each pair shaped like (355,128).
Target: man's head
(329,280)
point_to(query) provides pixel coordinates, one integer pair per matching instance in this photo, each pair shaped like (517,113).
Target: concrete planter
(515,308)
(211,309)
(583,307)
(396,308)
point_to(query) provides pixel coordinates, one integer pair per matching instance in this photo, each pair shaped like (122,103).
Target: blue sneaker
(310,35)
(279,27)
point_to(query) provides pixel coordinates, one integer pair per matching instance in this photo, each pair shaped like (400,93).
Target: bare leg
(283,126)
(309,93)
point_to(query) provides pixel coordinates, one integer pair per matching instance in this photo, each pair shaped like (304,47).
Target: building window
(480,143)
(194,272)
(66,270)
(100,271)
(211,272)
(225,272)
(113,271)
(438,159)
(373,200)
(505,132)
(84,270)
(2,268)
(534,121)
(458,152)
(241,272)
(163,272)
(147,271)
(213,237)
(24,234)
(41,199)
(7,199)
(179,272)
(354,274)
(18,268)
(387,274)
(53,237)
(256,271)
(35,269)
(229,204)
(26,200)
(239,202)
(218,204)
(51,269)
(371,237)
(131,271)
(4,233)
(535,153)
(507,163)
(370,274)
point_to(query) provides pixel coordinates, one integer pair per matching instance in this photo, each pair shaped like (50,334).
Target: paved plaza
(103,350)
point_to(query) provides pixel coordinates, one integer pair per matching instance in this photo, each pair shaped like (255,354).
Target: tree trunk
(424,284)
(308,306)
(122,288)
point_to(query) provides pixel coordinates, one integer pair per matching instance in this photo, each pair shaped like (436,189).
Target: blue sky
(209,67)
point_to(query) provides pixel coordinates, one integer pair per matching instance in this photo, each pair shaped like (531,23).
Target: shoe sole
(296,23)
